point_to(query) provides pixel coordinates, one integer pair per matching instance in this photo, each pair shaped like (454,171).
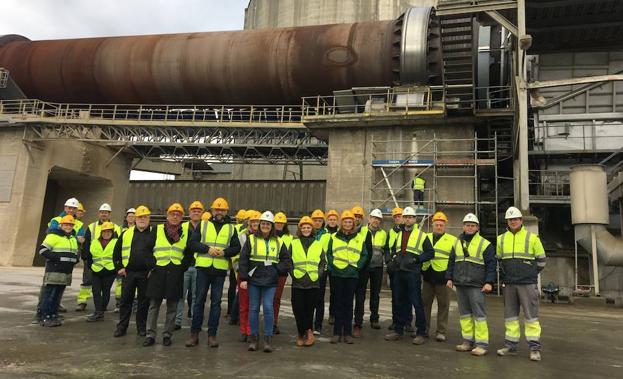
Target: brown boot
(357,332)
(193,340)
(212,342)
(299,341)
(309,341)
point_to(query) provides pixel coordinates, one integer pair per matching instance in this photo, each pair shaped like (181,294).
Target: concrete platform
(584,340)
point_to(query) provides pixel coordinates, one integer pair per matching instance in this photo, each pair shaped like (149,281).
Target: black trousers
(319,308)
(101,286)
(418,197)
(375,276)
(134,282)
(231,291)
(344,294)
(303,304)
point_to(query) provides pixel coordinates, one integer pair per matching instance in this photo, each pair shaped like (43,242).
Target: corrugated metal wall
(295,198)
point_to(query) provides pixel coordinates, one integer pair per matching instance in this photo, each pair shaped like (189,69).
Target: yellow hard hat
(357,210)
(440,216)
(396,211)
(333,212)
(220,203)
(142,211)
(206,216)
(176,207)
(306,220)
(347,214)
(318,213)
(254,215)
(281,218)
(196,205)
(241,214)
(68,219)
(81,207)
(107,226)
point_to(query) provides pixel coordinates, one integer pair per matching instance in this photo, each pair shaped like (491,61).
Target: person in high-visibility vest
(232,306)
(322,233)
(347,256)
(262,259)
(98,256)
(472,273)
(213,243)
(434,275)
(418,184)
(308,266)
(411,249)
(60,248)
(391,240)
(133,257)
(281,228)
(362,283)
(171,257)
(130,221)
(522,258)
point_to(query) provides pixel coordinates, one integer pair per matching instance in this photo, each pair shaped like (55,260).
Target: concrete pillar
(80,171)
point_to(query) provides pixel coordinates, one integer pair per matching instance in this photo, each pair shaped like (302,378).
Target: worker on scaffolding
(418,184)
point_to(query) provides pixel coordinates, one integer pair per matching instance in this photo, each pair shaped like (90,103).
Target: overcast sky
(53,19)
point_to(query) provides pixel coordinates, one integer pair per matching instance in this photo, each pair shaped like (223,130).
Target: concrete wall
(80,171)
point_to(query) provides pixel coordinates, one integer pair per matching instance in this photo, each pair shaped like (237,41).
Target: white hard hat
(105,207)
(268,216)
(130,210)
(376,213)
(513,212)
(73,202)
(408,211)
(470,217)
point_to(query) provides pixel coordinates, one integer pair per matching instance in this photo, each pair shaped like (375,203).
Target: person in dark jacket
(60,248)
(472,272)
(308,266)
(133,258)
(166,279)
(322,234)
(412,248)
(262,259)
(98,256)
(281,229)
(346,256)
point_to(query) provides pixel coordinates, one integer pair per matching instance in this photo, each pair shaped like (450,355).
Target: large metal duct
(267,66)
(589,213)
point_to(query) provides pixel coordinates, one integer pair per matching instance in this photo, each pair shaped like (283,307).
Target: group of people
(176,260)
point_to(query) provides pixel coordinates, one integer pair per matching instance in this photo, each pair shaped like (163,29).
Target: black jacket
(472,274)
(263,276)
(231,250)
(403,261)
(141,250)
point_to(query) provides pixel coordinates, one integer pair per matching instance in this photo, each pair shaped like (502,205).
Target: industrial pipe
(264,66)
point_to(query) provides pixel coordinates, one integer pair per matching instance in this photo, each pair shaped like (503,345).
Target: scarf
(173,232)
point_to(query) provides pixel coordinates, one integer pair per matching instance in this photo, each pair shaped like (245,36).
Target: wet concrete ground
(584,340)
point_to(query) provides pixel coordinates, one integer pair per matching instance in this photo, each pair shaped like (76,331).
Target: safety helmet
(220,203)
(176,207)
(81,207)
(142,211)
(347,214)
(130,210)
(253,215)
(105,207)
(68,219)
(206,216)
(513,212)
(196,205)
(357,211)
(241,214)
(306,220)
(268,216)
(333,212)
(397,211)
(408,211)
(376,213)
(73,202)
(470,217)
(440,216)
(107,226)
(281,218)
(318,213)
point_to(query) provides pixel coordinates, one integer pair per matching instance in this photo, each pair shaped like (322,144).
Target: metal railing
(246,114)
(577,137)
(549,184)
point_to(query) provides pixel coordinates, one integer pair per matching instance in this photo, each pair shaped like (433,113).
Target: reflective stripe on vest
(475,249)
(415,244)
(102,257)
(166,253)
(126,245)
(210,238)
(258,250)
(61,244)
(392,237)
(418,184)
(443,248)
(347,253)
(515,245)
(306,263)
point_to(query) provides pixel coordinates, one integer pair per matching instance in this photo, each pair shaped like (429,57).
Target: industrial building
(328,104)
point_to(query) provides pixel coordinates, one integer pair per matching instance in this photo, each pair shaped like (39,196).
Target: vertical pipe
(595,264)
(522,122)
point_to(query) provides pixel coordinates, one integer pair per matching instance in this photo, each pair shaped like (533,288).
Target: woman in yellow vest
(262,259)
(98,255)
(281,228)
(60,248)
(308,266)
(347,256)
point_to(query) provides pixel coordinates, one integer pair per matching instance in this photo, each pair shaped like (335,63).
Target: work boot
(507,351)
(96,316)
(299,341)
(335,339)
(309,341)
(331,320)
(267,344)
(349,340)
(149,341)
(419,340)
(276,329)
(375,325)
(212,341)
(61,309)
(464,347)
(119,333)
(479,351)
(141,333)
(253,343)
(357,332)
(535,355)
(81,307)
(177,327)
(393,336)
(440,337)
(50,323)
(166,341)
(193,340)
